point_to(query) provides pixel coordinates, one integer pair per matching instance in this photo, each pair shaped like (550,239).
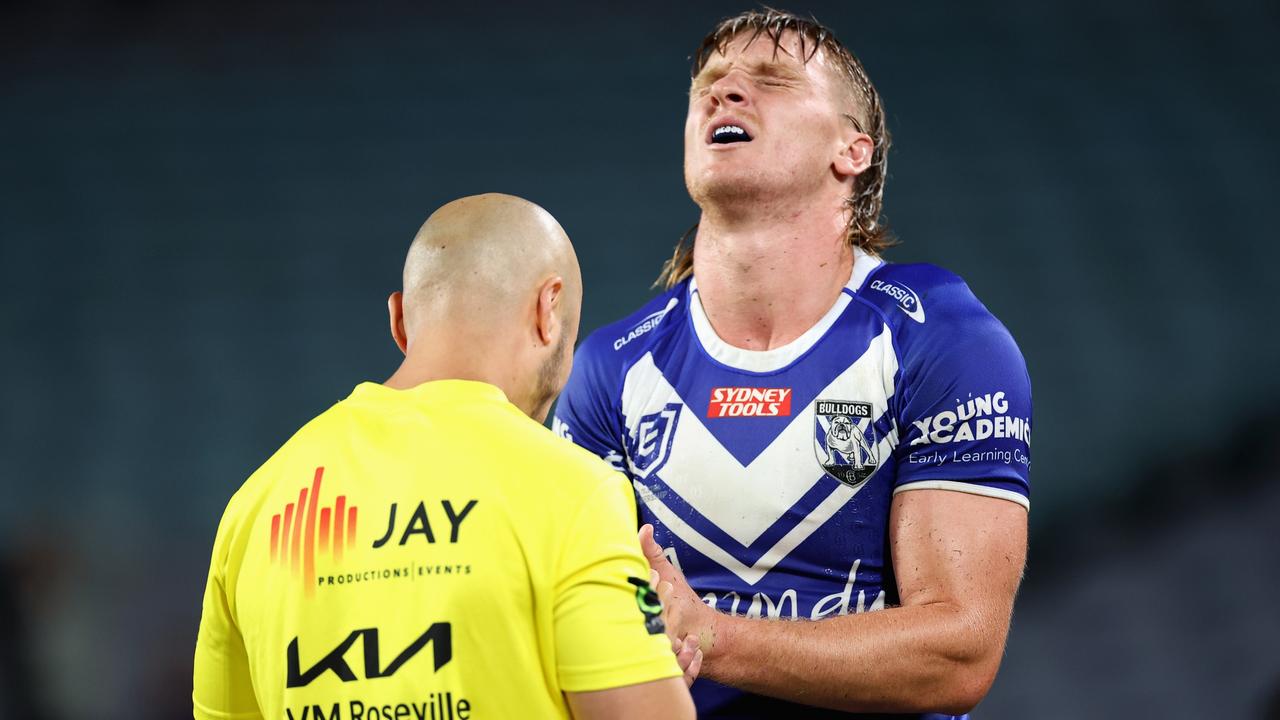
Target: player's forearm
(936,657)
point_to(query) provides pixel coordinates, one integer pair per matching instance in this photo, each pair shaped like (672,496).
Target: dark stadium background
(203,207)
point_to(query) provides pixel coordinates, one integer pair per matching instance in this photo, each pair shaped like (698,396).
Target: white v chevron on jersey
(767,490)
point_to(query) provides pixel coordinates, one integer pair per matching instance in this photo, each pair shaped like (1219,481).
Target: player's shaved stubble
(492,292)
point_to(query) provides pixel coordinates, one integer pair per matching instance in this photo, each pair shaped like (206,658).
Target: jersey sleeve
(964,419)
(586,412)
(223,688)
(608,627)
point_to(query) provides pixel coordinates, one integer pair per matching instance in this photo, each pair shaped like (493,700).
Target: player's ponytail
(680,265)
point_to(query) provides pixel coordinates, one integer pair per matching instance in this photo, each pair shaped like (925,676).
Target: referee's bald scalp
(476,259)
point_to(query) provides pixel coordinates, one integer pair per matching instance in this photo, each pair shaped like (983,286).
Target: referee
(425,548)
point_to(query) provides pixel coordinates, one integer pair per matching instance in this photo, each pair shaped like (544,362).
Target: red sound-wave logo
(293,538)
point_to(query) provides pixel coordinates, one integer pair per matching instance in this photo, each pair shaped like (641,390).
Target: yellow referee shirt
(430,554)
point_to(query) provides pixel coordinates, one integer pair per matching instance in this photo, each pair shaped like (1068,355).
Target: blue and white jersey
(769,474)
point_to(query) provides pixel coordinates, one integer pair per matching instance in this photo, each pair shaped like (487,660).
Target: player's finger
(654,578)
(695,666)
(665,591)
(684,655)
(670,615)
(652,550)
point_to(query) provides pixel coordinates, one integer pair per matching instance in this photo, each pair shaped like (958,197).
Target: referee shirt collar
(436,391)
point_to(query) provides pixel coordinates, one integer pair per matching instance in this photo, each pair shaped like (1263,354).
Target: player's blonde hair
(866,228)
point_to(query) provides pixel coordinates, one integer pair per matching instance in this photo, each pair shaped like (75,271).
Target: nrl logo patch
(650,444)
(650,606)
(845,441)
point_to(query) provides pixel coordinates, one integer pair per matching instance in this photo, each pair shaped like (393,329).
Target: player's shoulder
(921,300)
(931,309)
(625,340)
(918,293)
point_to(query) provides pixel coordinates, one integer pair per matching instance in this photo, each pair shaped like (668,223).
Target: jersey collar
(763,361)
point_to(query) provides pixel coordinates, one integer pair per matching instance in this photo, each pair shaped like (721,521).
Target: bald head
(479,257)
(492,292)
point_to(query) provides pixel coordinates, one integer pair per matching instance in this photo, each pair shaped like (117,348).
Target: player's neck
(764,281)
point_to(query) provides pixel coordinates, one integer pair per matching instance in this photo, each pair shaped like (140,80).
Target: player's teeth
(729,134)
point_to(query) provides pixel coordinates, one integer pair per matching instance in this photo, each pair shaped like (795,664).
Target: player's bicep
(961,549)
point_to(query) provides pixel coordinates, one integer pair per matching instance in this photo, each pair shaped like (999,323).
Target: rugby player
(426,548)
(813,433)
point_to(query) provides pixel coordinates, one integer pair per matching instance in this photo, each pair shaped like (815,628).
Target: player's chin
(723,185)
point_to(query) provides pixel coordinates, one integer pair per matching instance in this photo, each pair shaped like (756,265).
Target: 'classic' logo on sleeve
(906,298)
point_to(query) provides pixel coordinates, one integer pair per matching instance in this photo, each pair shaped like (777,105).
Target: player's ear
(854,154)
(550,296)
(395,309)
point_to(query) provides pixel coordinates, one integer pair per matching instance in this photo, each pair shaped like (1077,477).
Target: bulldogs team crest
(845,440)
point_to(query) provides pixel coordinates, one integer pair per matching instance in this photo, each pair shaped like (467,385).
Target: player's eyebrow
(760,68)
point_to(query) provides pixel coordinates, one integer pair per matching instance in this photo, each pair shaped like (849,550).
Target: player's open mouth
(729,133)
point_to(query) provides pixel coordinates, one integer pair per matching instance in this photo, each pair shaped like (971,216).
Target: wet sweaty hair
(865,230)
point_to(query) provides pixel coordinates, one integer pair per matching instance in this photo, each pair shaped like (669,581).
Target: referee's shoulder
(555,452)
(553,471)
(316,432)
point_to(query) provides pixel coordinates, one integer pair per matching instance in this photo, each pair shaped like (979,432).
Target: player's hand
(690,659)
(685,615)
(688,653)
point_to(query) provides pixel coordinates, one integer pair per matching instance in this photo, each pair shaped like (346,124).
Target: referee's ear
(550,324)
(395,308)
